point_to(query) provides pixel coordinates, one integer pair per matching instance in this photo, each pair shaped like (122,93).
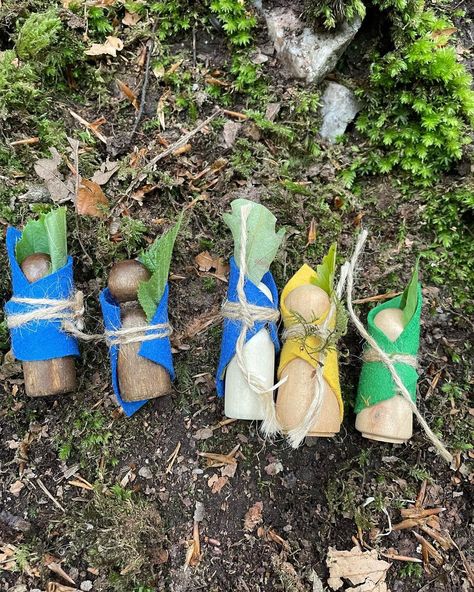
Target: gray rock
(306,54)
(339,106)
(86,585)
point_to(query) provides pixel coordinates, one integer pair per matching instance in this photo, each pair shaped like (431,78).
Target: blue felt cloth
(156,350)
(39,340)
(232,328)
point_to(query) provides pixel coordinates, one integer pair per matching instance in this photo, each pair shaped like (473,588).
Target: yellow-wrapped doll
(309,402)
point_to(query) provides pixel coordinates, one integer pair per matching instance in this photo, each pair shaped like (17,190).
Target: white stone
(306,54)
(339,106)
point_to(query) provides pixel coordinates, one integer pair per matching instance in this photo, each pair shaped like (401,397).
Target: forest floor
(113,499)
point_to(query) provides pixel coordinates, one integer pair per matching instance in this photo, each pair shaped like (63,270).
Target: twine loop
(68,310)
(249,314)
(372,355)
(305,330)
(138,334)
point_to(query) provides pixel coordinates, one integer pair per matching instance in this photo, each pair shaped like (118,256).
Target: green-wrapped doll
(382,413)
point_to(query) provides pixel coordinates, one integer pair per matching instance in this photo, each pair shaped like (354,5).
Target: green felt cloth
(375,382)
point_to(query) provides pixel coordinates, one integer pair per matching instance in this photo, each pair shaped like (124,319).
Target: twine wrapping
(372,355)
(402,390)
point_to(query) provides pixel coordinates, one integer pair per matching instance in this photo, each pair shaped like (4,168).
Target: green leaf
(56,231)
(409,299)
(262,240)
(157,259)
(326,271)
(33,240)
(46,235)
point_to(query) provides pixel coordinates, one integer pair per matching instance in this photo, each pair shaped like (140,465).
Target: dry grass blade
(418,514)
(443,541)
(25,142)
(408,523)
(432,552)
(80,482)
(193,554)
(215,459)
(51,497)
(377,298)
(172,459)
(55,566)
(93,127)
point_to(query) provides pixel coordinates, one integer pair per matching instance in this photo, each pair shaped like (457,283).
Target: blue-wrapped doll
(135,311)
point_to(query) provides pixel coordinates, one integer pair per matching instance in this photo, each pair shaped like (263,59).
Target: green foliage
(132,232)
(173,17)
(18,90)
(262,242)
(99,21)
(47,235)
(237,21)
(248,78)
(409,300)
(38,33)
(157,260)
(326,271)
(331,13)
(448,218)
(419,106)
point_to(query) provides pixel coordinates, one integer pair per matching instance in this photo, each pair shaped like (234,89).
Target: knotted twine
(297,434)
(248,314)
(387,359)
(70,312)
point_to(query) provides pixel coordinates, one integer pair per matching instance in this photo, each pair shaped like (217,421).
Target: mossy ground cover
(128,526)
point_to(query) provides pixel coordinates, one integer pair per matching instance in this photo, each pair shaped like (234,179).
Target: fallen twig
(26,141)
(376,298)
(172,459)
(150,46)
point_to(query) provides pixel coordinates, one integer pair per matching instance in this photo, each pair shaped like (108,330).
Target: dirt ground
(112,499)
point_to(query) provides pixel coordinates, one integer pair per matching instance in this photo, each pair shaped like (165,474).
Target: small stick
(89,126)
(235,114)
(51,497)
(150,46)
(377,298)
(28,141)
(172,459)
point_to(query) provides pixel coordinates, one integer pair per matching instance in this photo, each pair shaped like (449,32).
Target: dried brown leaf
(91,200)
(110,47)
(128,93)
(253,517)
(131,18)
(106,171)
(362,568)
(217,483)
(48,170)
(312,231)
(16,487)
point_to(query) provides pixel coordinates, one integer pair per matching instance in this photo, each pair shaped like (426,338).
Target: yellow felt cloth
(292,349)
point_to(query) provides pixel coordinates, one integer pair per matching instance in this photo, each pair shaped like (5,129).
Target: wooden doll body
(138,377)
(240,401)
(297,393)
(55,376)
(390,420)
